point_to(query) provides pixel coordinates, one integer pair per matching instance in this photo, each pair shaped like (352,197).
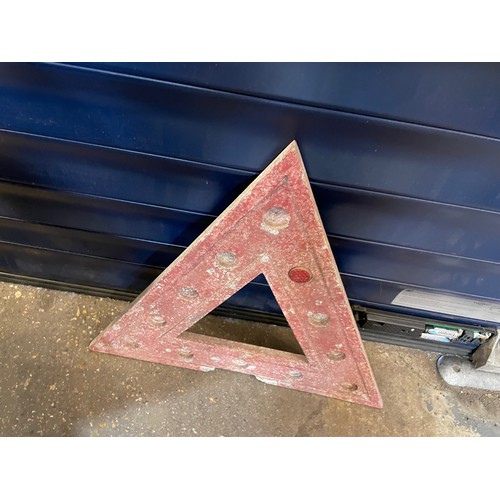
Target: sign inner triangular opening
(221,324)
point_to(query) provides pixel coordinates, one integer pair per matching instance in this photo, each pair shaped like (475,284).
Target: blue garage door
(108,171)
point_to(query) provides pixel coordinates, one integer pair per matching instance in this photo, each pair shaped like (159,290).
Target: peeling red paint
(273,228)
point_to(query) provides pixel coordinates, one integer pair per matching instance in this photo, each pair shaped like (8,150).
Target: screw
(188,293)
(319,319)
(336,355)
(228,260)
(274,219)
(185,353)
(157,320)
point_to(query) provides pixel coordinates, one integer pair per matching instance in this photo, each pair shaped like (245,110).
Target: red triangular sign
(273,228)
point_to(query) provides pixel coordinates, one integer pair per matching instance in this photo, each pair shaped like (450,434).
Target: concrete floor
(52,385)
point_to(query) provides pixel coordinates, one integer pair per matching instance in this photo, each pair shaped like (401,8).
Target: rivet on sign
(299,275)
(227,260)
(188,293)
(295,373)
(157,320)
(336,355)
(275,219)
(186,354)
(349,387)
(319,319)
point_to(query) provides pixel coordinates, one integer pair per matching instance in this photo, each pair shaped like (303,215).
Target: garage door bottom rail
(374,325)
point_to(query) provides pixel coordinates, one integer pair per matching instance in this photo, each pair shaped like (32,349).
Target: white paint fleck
(240,362)
(266,380)
(207,368)
(211,271)
(215,359)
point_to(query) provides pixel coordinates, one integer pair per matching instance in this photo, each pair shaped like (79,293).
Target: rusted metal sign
(272,228)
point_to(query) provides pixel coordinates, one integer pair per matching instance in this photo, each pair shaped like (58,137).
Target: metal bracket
(460,372)
(483,372)
(486,357)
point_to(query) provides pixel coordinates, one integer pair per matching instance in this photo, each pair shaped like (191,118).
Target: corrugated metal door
(109,170)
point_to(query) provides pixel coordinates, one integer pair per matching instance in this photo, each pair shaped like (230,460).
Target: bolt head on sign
(272,228)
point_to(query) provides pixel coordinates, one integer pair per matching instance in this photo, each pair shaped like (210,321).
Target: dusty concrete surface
(52,385)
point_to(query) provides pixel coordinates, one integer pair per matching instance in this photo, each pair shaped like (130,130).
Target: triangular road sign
(273,228)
